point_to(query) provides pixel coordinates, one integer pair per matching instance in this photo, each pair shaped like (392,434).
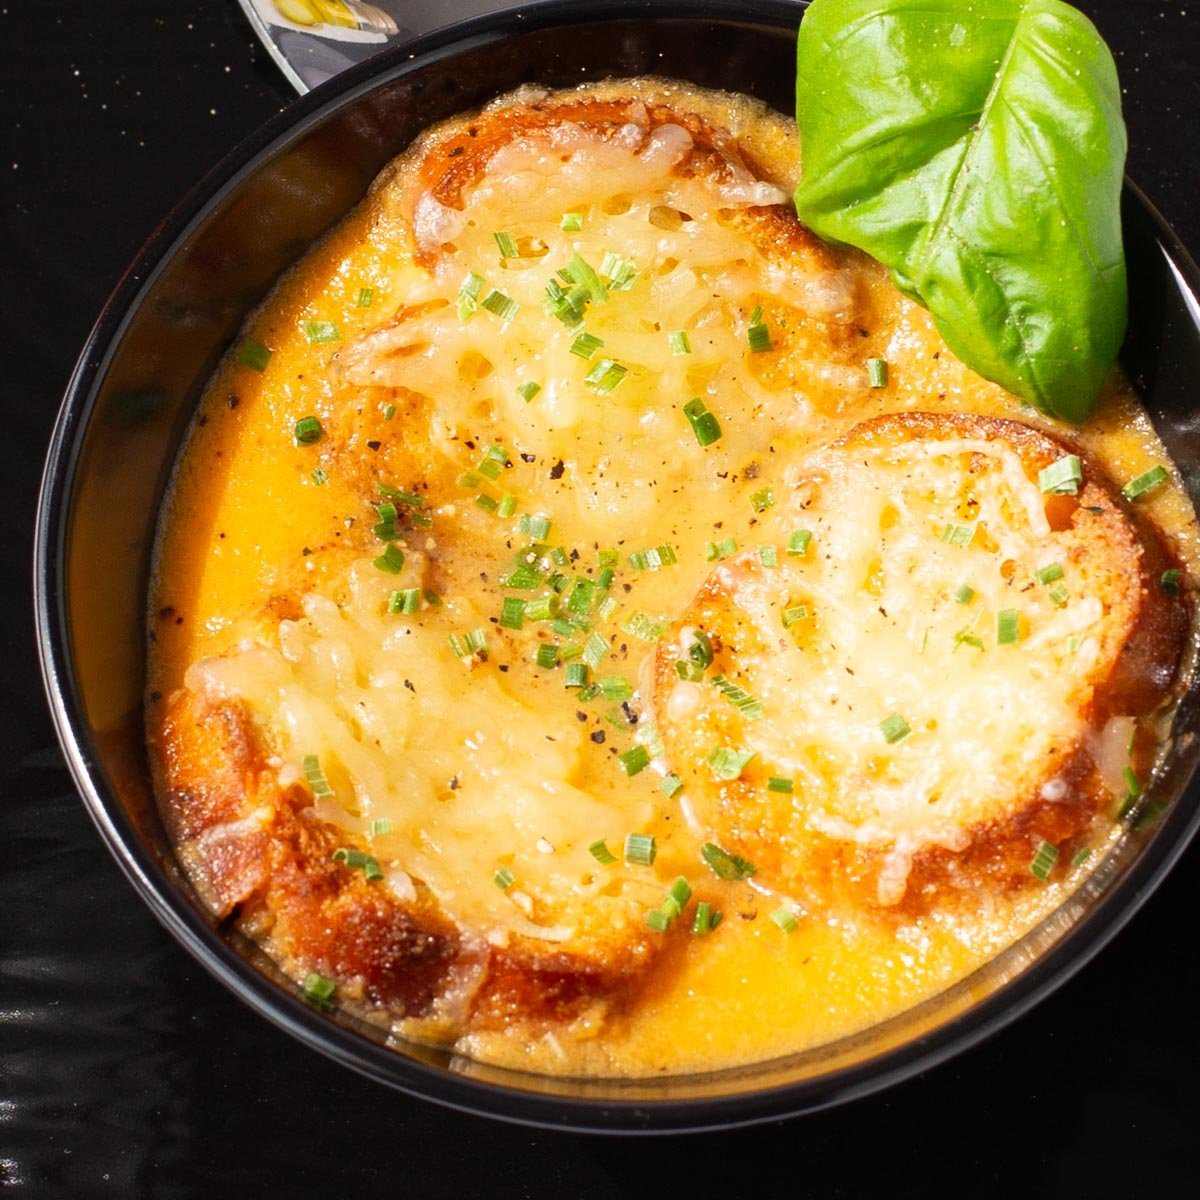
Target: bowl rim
(181,918)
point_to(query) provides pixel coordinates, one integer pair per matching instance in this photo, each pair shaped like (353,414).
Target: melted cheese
(487,764)
(880,583)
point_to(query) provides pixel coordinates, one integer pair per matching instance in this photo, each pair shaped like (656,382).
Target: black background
(126,1071)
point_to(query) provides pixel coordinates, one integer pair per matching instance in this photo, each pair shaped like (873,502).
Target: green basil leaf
(977,150)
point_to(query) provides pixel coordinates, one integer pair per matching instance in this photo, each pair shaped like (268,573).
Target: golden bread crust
(1095,535)
(260,857)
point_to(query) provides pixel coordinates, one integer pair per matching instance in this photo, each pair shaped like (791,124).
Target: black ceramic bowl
(133,393)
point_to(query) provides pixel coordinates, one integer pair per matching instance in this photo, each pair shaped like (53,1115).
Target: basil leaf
(977,150)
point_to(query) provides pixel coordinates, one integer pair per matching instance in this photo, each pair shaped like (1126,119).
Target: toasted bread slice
(259,854)
(928,676)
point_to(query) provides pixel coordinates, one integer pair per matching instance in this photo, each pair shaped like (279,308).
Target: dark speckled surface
(126,1071)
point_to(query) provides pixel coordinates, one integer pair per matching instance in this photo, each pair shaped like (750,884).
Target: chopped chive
(657,920)
(635,760)
(379,827)
(504,879)
(705,919)
(507,245)
(759,337)
(725,865)
(1133,785)
(405,600)
(253,354)
(319,332)
(486,502)
(1081,856)
(670,786)
(563,306)
(785,919)
(582,596)
(358,860)
(877,372)
(768,556)
(722,549)
(500,305)
(700,651)
(585,345)
(391,560)
(775,784)
(797,612)
(615,687)
(750,707)
(642,626)
(761,501)
(576,675)
(316,777)
(547,655)
(958,535)
(640,848)
(621,273)
(1049,574)
(605,376)
(528,390)
(1008,627)
(1147,482)
(307,431)
(965,594)
(318,990)
(537,527)
(728,764)
(894,729)
(468,295)
(320,477)
(602,854)
(512,613)
(1058,595)
(654,559)
(508,506)
(688,672)
(1169,581)
(678,894)
(572,222)
(679,342)
(524,577)
(364,297)
(799,541)
(704,424)
(579,271)
(389,412)
(617,717)
(1074,642)
(1044,860)
(594,649)
(1063,477)
(466,644)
